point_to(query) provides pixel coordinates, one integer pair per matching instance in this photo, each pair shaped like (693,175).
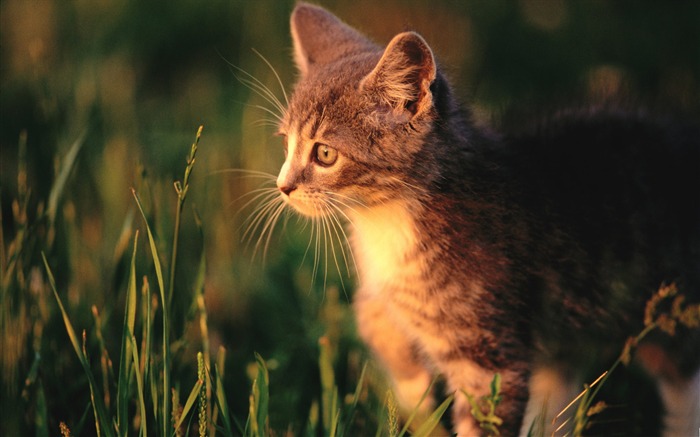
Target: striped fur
(480,254)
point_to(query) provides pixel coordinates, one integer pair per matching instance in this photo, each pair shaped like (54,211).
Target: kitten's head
(358,118)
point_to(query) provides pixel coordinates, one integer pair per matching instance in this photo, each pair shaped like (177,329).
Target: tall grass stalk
(221,403)
(203,404)
(203,322)
(258,425)
(191,400)
(432,424)
(329,390)
(181,188)
(125,358)
(165,410)
(143,415)
(102,422)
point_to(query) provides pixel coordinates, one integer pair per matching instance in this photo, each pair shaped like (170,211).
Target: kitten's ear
(320,37)
(404,74)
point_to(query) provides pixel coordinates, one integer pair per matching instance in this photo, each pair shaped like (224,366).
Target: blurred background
(132,80)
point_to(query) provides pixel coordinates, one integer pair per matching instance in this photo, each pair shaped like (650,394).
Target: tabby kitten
(480,253)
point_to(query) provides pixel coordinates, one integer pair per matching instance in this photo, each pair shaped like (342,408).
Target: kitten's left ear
(403,75)
(321,38)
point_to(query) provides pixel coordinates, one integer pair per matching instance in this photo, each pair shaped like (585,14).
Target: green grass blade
(125,358)
(262,388)
(221,406)
(392,412)
(221,402)
(333,429)
(41,421)
(102,423)
(191,399)
(165,411)
(203,317)
(415,411)
(181,188)
(350,411)
(329,391)
(258,401)
(60,182)
(140,387)
(433,421)
(78,427)
(105,362)
(155,400)
(146,322)
(203,398)
(153,246)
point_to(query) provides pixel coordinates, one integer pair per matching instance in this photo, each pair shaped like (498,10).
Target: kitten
(480,253)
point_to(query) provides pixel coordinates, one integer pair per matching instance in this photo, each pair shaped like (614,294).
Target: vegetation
(129,302)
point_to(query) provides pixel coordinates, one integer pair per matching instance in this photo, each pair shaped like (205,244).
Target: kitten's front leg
(466,376)
(397,353)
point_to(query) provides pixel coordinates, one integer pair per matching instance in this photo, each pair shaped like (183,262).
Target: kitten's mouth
(305,204)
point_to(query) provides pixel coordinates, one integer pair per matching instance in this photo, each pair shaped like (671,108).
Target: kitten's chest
(386,246)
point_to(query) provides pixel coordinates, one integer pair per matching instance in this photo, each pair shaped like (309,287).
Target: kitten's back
(621,189)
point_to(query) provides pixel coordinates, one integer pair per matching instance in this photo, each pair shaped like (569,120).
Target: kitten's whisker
(258,222)
(255,85)
(311,239)
(271,225)
(413,188)
(267,122)
(268,195)
(324,235)
(334,223)
(325,249)
(347,199)
(257,216)
(277,76)
(344,205)
(246,173)
(257,194)
(278,117)
(260,214)
(339,225)
(329,240)
(269,96)
(262,201)
(317,247)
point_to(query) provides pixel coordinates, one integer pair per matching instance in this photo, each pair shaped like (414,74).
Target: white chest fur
(383,239)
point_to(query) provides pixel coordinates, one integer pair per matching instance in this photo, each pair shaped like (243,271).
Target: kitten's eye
(326,155)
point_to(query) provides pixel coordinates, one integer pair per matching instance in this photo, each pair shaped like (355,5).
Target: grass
(100,98)
(148,400)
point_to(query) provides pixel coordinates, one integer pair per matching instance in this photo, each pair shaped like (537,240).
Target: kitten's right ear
(320,37)
(403,76)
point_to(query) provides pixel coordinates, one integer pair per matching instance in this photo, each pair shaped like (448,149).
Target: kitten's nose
(287,189)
